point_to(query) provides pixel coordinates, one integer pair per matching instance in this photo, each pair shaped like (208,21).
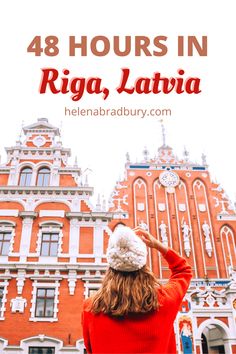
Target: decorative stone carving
(143,225)
(161,206)
(120,186)
(18,305)
(20,280)
(206,231)
(163,231)
(186,230)
(39,141)
(202,207)
(232,275)
(72,279)
(182,207)
(209,298)
(140,206)
(222,204)
(122,200)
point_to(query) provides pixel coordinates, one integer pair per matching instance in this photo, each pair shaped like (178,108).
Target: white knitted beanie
(126,251)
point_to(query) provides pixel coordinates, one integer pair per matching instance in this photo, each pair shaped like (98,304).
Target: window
(45,302)
(43,177)
(7,237)
(91,288)
(50,239)
(41,350)
(92,292)
(25,177)
(1,296)
(49,244)
(5,242)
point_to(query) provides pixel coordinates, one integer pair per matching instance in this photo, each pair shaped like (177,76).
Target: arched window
(43,177)
(25,177)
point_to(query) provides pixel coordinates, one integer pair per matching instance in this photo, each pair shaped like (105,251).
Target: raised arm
(181,272)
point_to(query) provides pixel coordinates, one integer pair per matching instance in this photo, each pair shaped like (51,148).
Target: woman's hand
(146,237)
(149,240)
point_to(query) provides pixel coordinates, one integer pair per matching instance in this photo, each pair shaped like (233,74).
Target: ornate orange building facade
(53,243)
(177,202)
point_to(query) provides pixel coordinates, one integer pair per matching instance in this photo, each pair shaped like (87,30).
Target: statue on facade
(186,230)
(232,273)
(163,231)
(232,284)
(143,225)
(206,231)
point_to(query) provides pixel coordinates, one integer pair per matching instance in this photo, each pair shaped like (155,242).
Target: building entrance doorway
(212,338)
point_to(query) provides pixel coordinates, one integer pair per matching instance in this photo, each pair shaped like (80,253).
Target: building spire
(204,161)
(186,154)
(76,162)
(60,129)
(18,142)
(145,154)
(86,181)
(163,132)
(98,204)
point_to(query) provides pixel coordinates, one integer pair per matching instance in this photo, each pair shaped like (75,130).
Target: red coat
(141,333)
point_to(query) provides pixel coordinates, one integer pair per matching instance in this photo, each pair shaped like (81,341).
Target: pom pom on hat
(126,251)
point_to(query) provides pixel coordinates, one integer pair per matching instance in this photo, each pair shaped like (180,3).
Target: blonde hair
(126,292)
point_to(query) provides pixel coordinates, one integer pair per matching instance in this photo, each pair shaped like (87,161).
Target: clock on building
(169,179)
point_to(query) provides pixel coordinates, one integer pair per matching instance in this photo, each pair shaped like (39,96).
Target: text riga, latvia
(77,86)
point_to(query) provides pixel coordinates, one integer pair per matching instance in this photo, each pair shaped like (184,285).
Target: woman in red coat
(132,312)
